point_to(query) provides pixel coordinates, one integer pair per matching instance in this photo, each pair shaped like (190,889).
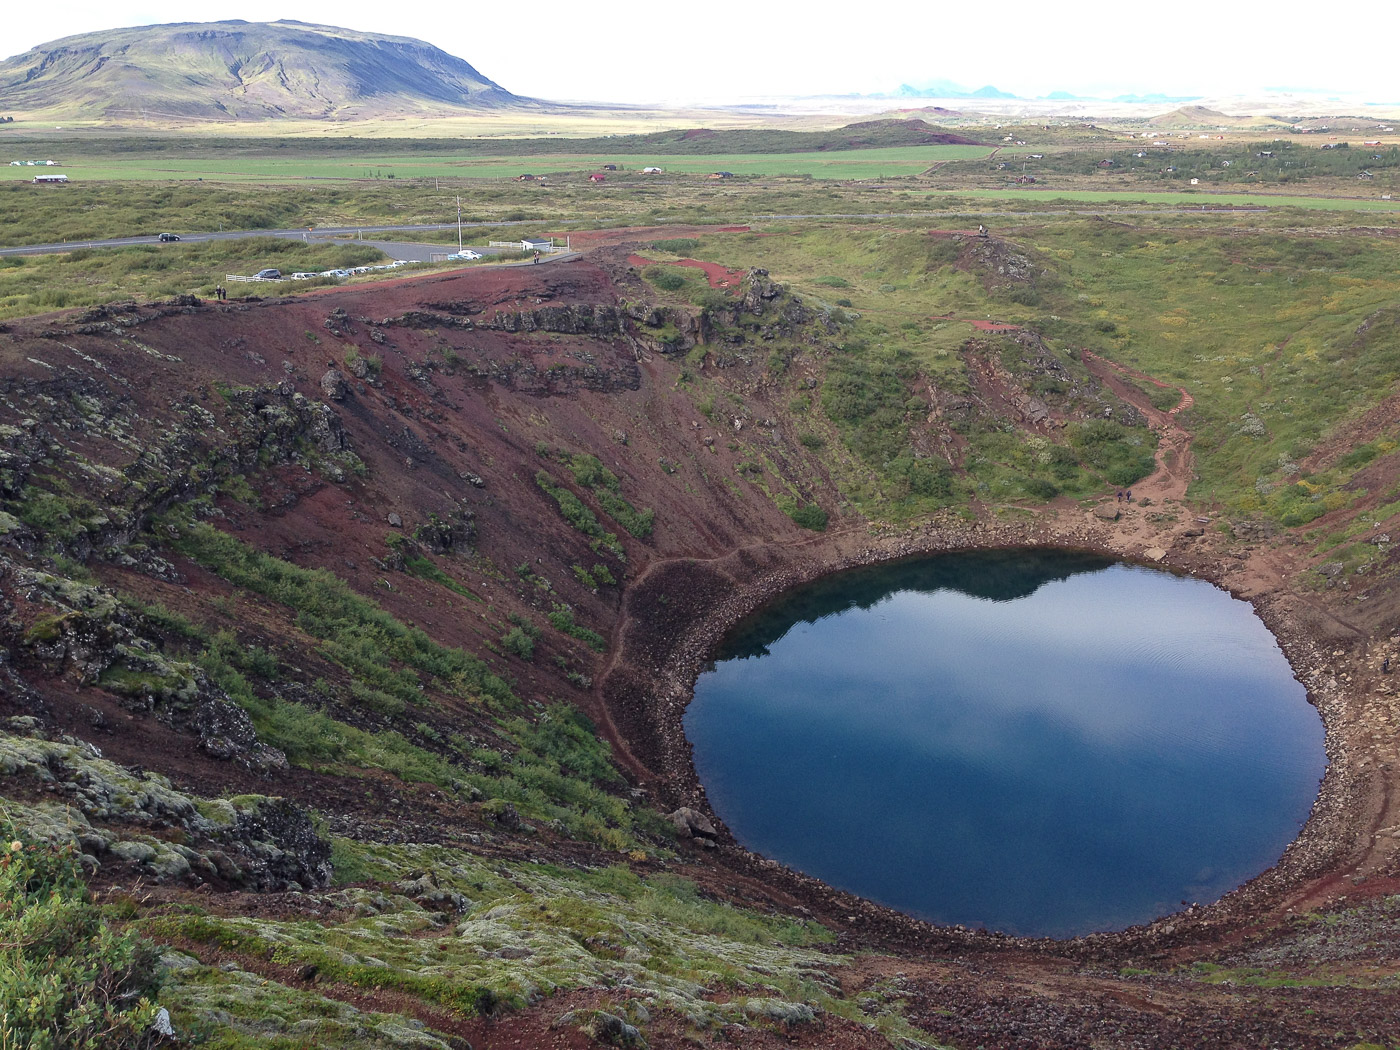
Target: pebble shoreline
(1328,842)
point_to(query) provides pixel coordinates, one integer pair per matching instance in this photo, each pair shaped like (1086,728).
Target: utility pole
(459,224)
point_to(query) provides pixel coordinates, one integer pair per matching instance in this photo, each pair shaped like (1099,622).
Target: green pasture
(240,166)
(1126,198)
(1279,338)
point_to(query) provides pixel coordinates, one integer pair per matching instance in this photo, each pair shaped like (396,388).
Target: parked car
(268,275)
(465,255)
(169,236)
(334,273)
(304,276)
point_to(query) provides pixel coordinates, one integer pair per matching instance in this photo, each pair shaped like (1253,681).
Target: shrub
(562,619)
(665,279)
(676,245)
(519,642)
(809,516)
(66,978)
(922,477)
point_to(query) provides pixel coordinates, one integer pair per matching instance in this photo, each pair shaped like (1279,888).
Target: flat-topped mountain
(245,71)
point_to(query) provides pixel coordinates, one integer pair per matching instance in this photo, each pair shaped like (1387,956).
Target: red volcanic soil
(480,369)
(981,326)
(1186,399)
(720,276)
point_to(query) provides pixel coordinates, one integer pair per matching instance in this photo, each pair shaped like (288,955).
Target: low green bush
(67,979)
(665,278)
(517,641)
(562,619)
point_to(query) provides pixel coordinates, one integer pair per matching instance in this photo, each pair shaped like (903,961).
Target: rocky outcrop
(117,816)
(996,262)
(93,639)
(334,384)
(760,290)
(692,824)
(425,319)
(600,319)
(445,535)
(226,732)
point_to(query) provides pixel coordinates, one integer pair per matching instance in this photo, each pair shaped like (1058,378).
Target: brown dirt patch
(720,277)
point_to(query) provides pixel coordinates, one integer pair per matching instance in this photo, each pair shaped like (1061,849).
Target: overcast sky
(653,50)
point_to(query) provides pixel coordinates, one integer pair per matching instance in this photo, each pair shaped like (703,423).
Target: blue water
(1036,742)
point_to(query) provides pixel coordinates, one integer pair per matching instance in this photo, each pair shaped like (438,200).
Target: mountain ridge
(243,71)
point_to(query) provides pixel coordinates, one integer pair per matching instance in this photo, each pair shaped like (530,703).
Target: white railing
(518,246)
(261,280)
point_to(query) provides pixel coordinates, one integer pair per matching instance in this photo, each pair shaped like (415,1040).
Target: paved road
(320,233)
(413,251)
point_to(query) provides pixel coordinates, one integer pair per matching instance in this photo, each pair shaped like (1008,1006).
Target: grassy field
(290,167)
(85,277)
(1213,199)
(1278,337)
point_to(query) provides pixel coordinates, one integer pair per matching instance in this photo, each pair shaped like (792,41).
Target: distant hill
(948,89)
(868,134)
(1200,117)
(244,71)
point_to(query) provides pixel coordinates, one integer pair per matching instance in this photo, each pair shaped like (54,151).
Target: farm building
(609,167)
(536,244)
(595,177)
(51,178)
(651,171)
(721,175)
(525,178)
